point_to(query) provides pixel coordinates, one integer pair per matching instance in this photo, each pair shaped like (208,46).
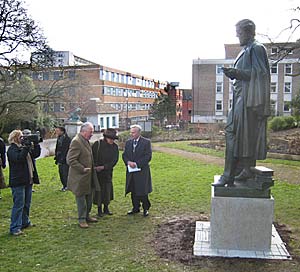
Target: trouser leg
(135,202)
(18,194)
(27,203)
(81,208)
(63,170)
(230,160)
(145,202)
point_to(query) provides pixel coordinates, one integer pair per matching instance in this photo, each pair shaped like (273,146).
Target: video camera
(31,138)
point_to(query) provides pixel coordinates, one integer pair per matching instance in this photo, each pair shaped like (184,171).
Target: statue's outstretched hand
(229,72)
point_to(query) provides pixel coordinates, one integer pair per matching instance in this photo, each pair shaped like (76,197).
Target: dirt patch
(174,241)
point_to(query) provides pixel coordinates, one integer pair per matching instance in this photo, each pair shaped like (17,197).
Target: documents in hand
(135,169)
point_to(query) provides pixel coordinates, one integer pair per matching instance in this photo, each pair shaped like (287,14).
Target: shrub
(282,123)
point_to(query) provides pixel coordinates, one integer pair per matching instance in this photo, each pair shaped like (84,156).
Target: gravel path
(285,173)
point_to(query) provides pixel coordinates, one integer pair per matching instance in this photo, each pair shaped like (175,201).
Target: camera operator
(22,174)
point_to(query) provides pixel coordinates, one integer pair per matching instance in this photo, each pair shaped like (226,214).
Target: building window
(219,87)
(288,68)
(71,91)
(62,107)
(219,70)
(56,107)
(287,106)
(274,69)
(274,50)
(273,104)
(114,123)
(287,87)
(219,105)
(46,76)
(57,75)
(102,122)
(72,74)
(273,87)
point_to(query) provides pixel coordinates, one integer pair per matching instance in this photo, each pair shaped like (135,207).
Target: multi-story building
(131,95)
(67,58)
(187,105)
(212,90)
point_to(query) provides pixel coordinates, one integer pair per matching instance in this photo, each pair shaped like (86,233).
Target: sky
(155,38)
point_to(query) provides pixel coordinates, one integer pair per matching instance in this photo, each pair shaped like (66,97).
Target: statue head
(245,31)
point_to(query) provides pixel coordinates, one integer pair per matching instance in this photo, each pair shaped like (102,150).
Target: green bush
(282,123)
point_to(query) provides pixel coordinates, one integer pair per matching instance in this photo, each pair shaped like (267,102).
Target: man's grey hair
(85,126)
(136,126)
(246,25)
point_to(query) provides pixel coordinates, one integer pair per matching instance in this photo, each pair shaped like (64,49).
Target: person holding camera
(22,175)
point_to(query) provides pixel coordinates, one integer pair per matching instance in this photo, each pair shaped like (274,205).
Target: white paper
(135,169)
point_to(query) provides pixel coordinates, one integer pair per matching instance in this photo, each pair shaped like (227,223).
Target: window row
(128,79)
(129,92)
(287,87)
(131,106)
(287,68)
(53,75)
(286,106)
(273,69)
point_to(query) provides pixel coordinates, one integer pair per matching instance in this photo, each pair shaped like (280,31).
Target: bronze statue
(246,126)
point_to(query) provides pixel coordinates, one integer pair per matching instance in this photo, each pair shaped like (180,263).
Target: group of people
(85,169)
(91,171)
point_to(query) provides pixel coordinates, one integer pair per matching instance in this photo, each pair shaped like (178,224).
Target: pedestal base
(241,223)
(202,246)
(72,128)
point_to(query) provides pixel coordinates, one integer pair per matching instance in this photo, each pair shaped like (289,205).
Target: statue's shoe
(244,175)
(222,181)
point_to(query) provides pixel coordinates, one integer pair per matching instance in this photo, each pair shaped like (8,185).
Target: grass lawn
(121,242)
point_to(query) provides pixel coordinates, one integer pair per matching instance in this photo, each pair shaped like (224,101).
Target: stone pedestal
(239,223)
(72,127)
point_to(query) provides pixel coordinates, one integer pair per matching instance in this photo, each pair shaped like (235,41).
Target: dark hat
(110,133)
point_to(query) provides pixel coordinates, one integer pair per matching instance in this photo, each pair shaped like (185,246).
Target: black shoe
(100,213)
(131,212)
(146,213)
(107,211)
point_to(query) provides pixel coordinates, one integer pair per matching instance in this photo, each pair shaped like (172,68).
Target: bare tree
(287,47)
(23,48)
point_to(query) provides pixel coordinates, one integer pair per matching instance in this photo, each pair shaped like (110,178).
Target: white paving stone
(202,246)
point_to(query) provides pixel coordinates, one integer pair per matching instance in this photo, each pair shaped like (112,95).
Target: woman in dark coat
(106,156)
(22,174)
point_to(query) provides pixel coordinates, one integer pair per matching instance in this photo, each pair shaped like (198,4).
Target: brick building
(131,95)
(212,90)
(187,105)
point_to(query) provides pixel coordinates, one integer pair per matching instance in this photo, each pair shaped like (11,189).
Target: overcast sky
(155,38)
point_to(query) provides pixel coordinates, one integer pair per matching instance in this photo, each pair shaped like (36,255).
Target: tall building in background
(80,83)
(212,91)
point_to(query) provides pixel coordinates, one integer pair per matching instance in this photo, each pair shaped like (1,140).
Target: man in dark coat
(2,164)
(106,156)
(61,151)
(136,156)
(246,139)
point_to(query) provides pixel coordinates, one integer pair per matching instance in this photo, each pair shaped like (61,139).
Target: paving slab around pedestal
(202,246)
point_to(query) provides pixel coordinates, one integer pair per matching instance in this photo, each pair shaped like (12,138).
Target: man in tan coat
(81,173)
